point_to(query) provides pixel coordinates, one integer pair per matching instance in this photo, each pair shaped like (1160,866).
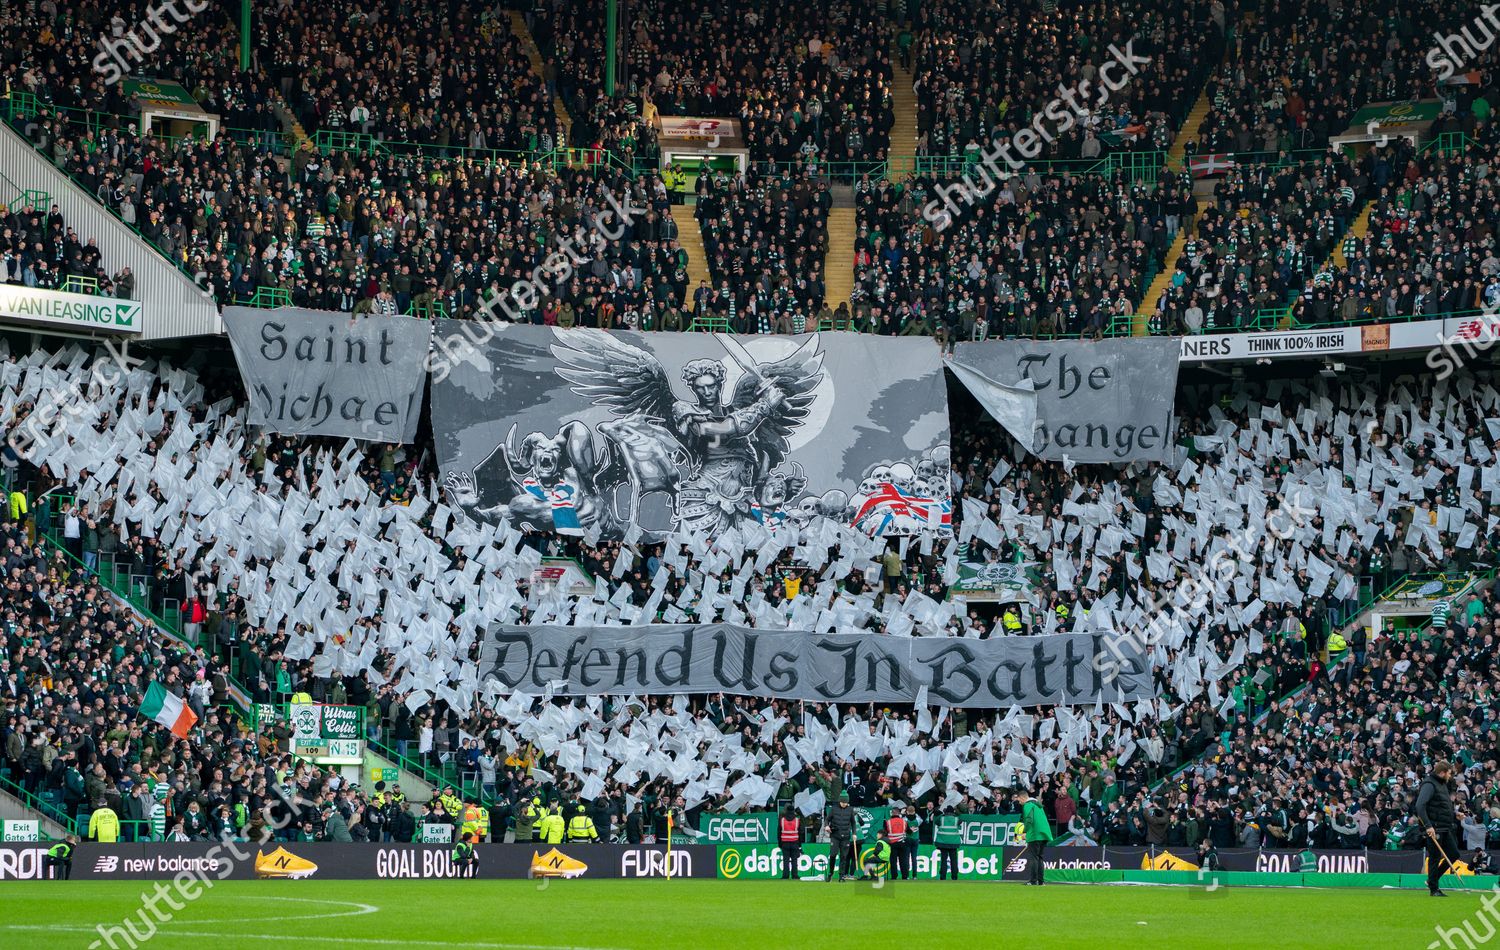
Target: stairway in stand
(838,264)
(518,27)
(1141,325)
(1189,131)
(691,239)
(901,159)
(1358,230)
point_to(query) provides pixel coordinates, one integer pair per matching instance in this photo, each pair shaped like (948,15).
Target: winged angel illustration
(703,463)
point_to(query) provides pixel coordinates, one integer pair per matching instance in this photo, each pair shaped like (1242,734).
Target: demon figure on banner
(603,431)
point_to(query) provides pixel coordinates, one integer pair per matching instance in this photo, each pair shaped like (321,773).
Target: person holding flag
(1038,834)
(162,706)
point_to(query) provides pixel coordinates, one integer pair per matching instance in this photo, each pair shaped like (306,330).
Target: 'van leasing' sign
(78,311)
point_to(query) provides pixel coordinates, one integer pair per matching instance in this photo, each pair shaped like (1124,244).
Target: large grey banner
(1102,401)
(583,430)
(712,658)
(311,372)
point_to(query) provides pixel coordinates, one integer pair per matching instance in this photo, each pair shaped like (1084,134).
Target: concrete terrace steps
(1140,325)
(690,236)
(518,27)
(838,264)
(1189,131)
(1358,230)
(903,151)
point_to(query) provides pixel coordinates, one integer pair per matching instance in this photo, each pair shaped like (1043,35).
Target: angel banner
(585,431)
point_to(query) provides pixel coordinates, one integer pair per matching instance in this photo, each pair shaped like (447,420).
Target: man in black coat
(841,843)
(1434,810)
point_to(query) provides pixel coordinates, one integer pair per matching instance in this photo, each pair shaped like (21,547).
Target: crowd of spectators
(1040,254)
(1265,235)
(807,81)
(364,233)
(39,249)
(765,235)
(1336,765)
(984,73)
(1430,248)
(1105,546)
(1299,72)
(74,667)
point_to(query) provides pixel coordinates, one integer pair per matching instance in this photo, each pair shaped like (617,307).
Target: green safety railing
(53,811)
(15,197)
(78,284)
(1284,318)
(328,141)
(450,774)
(267,298)
(1447,143)
(1278,158)
(20,103)
(1135,166)
(137,595)
(431,309)
(710,325)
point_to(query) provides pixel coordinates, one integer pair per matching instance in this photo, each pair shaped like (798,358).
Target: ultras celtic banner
(582,430)
(791,664)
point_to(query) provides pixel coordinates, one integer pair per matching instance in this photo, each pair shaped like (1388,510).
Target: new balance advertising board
(1112,858)
(349,862)
(764,862)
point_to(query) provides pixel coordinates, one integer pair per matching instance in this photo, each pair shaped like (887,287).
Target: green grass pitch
(641,915)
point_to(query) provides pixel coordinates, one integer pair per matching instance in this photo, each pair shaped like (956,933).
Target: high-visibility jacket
(61,850)
(1011,620)
(1337,643)
(581,828)
(551,828)
(791,829)
(945,832)
(471,823)
(17,505)
(104,825)
(452,804)
(462,852)
(895,829)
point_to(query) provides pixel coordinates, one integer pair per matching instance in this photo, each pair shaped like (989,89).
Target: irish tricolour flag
(168,710)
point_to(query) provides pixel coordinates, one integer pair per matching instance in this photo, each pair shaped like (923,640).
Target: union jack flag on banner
(889,510)
(560,496)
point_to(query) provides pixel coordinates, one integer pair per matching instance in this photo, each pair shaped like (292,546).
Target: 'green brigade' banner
(993,831)
(868,821)
(763,862)
(750,828)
